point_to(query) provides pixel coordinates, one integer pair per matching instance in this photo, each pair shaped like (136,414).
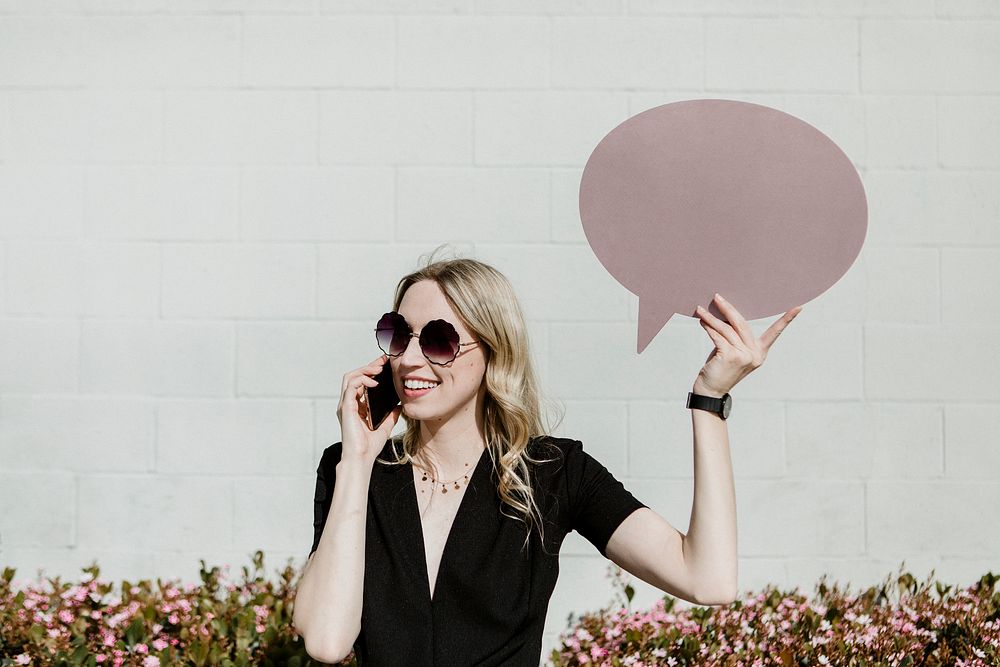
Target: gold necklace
(444,485)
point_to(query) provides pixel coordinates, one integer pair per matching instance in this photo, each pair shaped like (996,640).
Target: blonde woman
(440,547)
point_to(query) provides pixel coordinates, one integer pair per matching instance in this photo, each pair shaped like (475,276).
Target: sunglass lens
(392,333)
(439,341)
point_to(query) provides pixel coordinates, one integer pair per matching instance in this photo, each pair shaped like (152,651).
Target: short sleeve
(598,502)
(326,475)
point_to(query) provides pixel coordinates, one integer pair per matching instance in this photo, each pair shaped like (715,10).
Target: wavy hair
(512,404)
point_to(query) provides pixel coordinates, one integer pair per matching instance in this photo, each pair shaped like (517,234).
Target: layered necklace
(444,485)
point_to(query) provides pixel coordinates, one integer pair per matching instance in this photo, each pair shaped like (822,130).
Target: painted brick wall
(204,206)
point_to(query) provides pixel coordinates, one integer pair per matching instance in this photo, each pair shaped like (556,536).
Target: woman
(446,553)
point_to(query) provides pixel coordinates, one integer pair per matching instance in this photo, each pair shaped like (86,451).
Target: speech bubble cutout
(702,196)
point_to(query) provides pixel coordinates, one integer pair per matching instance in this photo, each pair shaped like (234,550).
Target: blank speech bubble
(702,196)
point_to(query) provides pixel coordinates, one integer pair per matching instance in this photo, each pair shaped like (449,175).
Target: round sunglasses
(439,341)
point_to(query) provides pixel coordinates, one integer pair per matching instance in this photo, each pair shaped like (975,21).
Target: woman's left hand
(737,352)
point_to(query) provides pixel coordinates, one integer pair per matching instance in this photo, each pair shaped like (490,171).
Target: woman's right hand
(360,442)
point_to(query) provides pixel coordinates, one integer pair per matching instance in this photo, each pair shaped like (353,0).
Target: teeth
(417,384)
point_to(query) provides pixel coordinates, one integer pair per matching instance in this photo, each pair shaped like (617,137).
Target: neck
(443,458)
(446,447)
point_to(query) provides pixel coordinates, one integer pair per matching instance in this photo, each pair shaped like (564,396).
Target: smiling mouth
(416,393)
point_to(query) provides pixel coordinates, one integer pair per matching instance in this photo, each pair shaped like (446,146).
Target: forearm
(710,543)
(329,595)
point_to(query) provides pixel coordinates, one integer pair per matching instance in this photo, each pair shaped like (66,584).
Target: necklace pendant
(456,486)
(444,489)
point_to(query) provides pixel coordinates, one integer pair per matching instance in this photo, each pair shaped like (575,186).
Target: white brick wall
(204,206)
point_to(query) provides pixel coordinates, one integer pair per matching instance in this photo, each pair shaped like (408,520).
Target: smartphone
(379,400)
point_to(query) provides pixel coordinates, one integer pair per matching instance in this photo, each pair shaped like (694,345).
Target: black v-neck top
(490,597)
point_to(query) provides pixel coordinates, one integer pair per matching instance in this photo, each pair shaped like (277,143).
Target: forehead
(424,301)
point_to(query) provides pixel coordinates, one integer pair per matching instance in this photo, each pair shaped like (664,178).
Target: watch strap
(701,402)
(715,404)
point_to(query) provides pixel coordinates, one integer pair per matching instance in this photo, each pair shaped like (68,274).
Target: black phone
(380,399)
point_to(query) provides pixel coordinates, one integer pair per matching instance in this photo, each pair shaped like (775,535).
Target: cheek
(469,377)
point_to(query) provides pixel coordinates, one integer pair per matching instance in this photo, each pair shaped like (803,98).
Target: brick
(86,126)
(461,52)
(335,204)
(482,204)
(627,52)
(395,127)
(234,437)
(214,280)
(157,358)
(245,126)
(77,433)
(929,56)
(162,203)
(306,51)
(814,55)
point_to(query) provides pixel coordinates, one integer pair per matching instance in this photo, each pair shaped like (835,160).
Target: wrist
(705,391)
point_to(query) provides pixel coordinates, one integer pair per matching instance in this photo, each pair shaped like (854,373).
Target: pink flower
(151,661)
(22,659)
(160,644)
(141,648)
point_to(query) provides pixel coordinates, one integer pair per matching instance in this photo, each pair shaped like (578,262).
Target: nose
(412,356)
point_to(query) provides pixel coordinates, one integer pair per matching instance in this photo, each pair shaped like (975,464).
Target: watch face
(727,403)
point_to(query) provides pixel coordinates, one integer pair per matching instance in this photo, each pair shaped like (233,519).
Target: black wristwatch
(720,406)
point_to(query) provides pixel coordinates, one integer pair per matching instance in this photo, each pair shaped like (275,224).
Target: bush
(215,623)
(899,622)
(896,623)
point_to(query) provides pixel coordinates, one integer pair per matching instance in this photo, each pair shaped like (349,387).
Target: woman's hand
(358,440)
(737,352)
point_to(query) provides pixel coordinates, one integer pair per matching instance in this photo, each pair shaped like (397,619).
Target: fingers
(724,329)
(737,320)
(354,384)
(768,337)
(374,368)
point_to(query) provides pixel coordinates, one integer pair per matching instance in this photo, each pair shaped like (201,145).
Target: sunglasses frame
(418,335)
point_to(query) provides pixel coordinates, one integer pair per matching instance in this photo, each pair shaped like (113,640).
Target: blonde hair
(512,404)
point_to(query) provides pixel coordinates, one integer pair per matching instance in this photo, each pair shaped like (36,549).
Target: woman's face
(459,381)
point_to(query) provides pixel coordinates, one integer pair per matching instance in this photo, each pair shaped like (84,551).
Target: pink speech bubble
(692,198)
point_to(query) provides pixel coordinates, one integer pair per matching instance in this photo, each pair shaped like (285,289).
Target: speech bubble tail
(651,321)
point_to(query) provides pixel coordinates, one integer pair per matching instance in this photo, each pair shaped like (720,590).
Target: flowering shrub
(895,623)
(214,623)
(222,623)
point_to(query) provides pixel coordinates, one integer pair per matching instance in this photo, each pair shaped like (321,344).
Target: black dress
(490,597)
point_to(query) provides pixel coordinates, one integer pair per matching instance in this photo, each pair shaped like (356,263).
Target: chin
(416,412)
(422,412)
